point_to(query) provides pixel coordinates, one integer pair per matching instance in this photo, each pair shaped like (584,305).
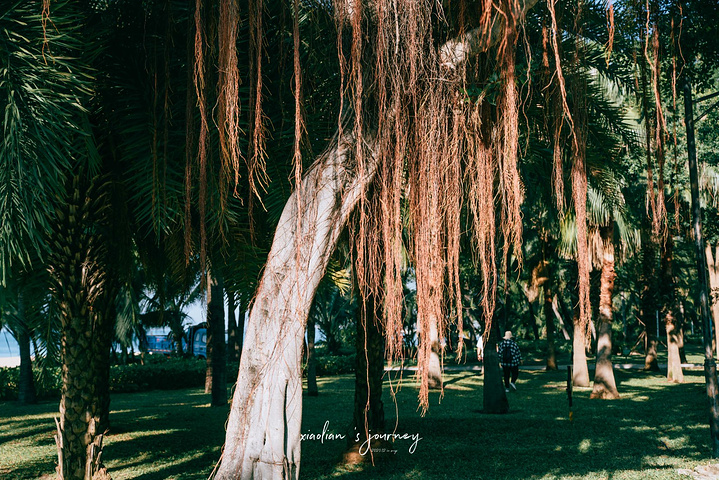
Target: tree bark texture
(216,376)
(605,386)
(263,431)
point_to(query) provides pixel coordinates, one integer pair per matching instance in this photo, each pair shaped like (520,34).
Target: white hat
(507,335)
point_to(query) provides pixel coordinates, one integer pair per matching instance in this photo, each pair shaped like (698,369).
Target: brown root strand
(228,96)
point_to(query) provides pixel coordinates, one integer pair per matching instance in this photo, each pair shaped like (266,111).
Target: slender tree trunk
(533,320)
(263,431)
(650,298)
(710,370)
(558,303)
(669,312)
(580,370)
(549,319)
(26,383)
(216,376)
(178,332)
(605,386)
(311,359)
(104,330)
(232,327)
(494,398)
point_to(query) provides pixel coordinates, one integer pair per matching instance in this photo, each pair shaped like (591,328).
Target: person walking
(510,357)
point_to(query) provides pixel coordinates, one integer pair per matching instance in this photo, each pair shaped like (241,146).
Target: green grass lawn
(654,429)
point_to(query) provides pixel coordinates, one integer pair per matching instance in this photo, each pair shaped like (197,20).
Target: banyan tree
(410,130)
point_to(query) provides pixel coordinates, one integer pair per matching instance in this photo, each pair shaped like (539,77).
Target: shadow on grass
(653,429)
(656,427)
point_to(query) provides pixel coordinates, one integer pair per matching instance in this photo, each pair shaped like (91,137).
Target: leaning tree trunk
(605,386)
(580,370)
(494,398)
(263,431)
(216,374)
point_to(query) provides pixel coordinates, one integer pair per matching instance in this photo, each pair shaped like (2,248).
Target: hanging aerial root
(480,175)
(510,182)
(257,166)
(610,29)
(228,99)
(199,81)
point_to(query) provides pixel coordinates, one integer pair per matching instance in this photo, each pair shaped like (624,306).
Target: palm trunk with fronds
(605,386)
(78,277)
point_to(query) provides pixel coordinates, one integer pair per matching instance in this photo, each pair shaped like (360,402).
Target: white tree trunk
(263,430)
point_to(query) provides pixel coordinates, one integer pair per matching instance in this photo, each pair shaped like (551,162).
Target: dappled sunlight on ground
(654,429)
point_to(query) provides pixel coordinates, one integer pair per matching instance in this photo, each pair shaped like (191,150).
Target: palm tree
(47,144)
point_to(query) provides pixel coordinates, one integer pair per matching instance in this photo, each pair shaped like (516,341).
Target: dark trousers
(513,371)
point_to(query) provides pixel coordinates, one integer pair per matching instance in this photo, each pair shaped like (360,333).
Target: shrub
(335,364)
(157,373)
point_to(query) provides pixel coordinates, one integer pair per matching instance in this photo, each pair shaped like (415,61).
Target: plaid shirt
(513,349)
